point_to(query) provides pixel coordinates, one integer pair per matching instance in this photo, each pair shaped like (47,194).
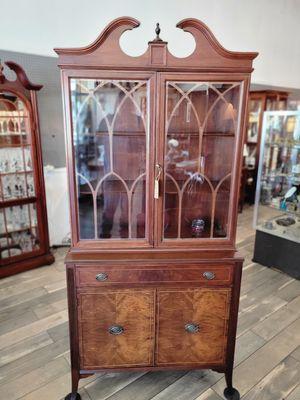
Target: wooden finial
(157,31)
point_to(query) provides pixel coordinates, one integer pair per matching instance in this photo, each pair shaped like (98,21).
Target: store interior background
(271,28)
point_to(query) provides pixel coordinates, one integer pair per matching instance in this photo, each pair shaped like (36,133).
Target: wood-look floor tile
(33,360)
(295,394)
(34,328)
(209,395)
(277,385)
(146,387)
(14,323)
(107,384)
(258,312)
(12,353)
(190,386)
(264,360)
(279,320)
(35,379)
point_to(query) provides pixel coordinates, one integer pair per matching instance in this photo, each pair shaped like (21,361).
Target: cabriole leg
(230,392)
(74,395)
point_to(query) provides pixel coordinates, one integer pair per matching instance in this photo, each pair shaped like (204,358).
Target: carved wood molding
(22,79)
(106,52)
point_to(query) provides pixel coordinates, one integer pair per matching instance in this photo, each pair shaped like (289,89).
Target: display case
(277,205)
(154,157)
(23,221)
(259,102)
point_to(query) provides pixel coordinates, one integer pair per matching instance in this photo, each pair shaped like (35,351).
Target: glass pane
(18,230)
(15,150)
(277,209)
(110,124)
(201,129)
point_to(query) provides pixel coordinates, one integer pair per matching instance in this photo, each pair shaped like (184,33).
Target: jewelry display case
(154,150)
(23,221)
(277,205)
(259,102)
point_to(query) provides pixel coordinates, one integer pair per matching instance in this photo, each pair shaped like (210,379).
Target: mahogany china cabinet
(24,242)
(154,153)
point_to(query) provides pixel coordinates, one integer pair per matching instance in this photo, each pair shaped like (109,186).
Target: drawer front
(116,328)
(103,276)
(192,326)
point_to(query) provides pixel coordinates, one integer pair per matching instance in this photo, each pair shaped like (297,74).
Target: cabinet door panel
(201,132)
(192,326)
(116,328)
(111,144)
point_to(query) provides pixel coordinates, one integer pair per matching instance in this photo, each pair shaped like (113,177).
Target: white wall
(269,26)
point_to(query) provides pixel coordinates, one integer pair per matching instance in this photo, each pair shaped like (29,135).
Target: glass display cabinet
(259,102)
(23,222)
(154,149)
(277,206)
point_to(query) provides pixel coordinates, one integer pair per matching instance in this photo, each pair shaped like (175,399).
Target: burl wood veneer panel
(133,310)
(209,309)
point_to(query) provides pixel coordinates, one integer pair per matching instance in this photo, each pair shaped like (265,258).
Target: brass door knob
(192,328)
(209,275)
(116,330)
(102,277)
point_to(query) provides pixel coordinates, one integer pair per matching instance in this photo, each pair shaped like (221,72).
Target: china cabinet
(259,102)
(24,240)
(154,157)
(277,205)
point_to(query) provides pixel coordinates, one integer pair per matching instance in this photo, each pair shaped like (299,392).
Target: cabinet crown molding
(105,51)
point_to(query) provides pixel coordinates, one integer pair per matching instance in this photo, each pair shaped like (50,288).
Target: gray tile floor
(34,357)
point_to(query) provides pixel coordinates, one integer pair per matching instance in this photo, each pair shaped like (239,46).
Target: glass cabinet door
(201,127)
(19,233)
(110,122)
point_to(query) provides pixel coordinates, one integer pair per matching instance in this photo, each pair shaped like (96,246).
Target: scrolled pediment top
(105,51)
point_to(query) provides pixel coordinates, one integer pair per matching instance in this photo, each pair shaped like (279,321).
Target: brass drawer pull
(116,330)
(209,275)
(192,328)
(102,277)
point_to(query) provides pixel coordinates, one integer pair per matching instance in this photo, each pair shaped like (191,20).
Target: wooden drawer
(116,328)
(192,326)
(163,274)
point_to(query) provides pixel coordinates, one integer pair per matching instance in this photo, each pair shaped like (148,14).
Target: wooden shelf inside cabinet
(154,147)
(23,219)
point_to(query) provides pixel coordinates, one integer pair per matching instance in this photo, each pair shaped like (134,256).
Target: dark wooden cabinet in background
(24,241)
(154,150)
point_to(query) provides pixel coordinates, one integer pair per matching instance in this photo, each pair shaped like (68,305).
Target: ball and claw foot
(73,396)
(231,394)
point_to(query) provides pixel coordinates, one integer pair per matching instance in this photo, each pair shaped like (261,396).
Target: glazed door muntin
(209,237)
(123,241)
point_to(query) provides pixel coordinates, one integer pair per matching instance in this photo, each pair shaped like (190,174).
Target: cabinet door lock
(158,172)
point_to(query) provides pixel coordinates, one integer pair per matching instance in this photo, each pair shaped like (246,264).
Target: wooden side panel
(207,308)
(132,310)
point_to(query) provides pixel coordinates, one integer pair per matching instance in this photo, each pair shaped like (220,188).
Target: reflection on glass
(110,125)
(18,230)
(277,208)
(18,224)
(201,125)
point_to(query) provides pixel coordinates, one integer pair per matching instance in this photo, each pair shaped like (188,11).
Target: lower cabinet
(116,328)
(192,326)
(120,328)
